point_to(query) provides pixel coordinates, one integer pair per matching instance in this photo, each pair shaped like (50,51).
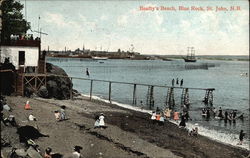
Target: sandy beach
(129,133)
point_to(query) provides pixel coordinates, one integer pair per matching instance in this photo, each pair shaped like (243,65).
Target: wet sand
(129,133)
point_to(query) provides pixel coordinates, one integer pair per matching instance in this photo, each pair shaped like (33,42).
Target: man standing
(87,72)
(181,82)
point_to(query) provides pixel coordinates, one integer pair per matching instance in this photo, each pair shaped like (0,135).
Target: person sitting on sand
(62,113)
(158,116)
(183,121)
(48,153)
(161,121)
(32,117)
(241,136)
(168,113)
(57,115)
(101,120)
(77,152)
(153,117)
(193,132)
(176,115)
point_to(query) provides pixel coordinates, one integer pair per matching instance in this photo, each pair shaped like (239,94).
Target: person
(208,114)
(203,112)
(77,152)
(176,115)
(226,116)
(168,113)
(177,81)
(186,116)
(161,120)
(62,113)
(57,115)
(183,121)
(193,132)
(214,111)
(220,113)
(87,72)
(96,125)
(32,118)
(141,103)
(48,153)
(234,114)
(230,117)
(172,82)
(241,116)
(181,82)
(153,117)
(101,120)
(241,136)
(158,110)
(158,116)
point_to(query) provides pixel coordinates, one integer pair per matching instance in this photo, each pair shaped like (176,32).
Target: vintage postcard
(124,78)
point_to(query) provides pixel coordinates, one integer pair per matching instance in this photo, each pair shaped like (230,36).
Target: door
(21,57)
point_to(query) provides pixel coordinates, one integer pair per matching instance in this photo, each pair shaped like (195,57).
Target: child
(48,153)
(77,151)
(57,115)
(62,113)
(96,125)
(241,136)
(101,120)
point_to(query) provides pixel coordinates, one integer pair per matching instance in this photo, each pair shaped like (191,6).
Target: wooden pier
(170,102)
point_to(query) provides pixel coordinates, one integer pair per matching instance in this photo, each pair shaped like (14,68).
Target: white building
(22,54)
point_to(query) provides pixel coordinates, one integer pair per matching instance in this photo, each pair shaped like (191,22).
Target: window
(21,57)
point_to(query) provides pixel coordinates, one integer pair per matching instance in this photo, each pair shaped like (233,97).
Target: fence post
(134,95)
(71,92)
(90,93)
(110,91)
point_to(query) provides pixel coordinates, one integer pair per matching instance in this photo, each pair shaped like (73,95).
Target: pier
(150,101)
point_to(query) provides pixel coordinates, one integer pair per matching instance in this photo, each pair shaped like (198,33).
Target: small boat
(99,58)
(190,56)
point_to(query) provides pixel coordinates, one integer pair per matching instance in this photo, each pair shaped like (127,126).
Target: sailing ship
(190,55)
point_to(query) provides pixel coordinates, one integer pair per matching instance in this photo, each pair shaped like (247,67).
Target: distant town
(95,54)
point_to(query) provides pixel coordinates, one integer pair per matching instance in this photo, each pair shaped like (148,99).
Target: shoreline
(129,133)
(188,124)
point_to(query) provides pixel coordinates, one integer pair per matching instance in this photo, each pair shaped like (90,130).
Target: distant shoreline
(161,57)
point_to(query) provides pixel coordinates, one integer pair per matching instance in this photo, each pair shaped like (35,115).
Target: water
(231,88)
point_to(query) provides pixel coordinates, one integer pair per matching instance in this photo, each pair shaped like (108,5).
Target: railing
(208,98)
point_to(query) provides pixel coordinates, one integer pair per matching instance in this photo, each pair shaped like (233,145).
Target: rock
(21,152)
(58,87)
(29,132)
(6,107)
(43,92)
(33,153)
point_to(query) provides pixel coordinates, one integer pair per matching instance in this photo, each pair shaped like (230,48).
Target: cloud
(104,18)
(122,20)
(55,18)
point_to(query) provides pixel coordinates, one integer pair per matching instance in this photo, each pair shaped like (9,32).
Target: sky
(113,24)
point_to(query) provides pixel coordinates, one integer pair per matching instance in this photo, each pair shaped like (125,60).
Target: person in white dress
(101,120)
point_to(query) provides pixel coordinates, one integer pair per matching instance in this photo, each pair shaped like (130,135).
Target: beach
(128,134)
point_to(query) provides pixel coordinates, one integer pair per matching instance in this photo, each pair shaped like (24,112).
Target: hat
(77,148)
(48,150)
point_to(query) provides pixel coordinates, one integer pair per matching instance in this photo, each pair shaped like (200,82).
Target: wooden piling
(91,88)
(110,91)
(134,95)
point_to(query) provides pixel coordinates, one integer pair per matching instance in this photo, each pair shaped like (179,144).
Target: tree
(12,19)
